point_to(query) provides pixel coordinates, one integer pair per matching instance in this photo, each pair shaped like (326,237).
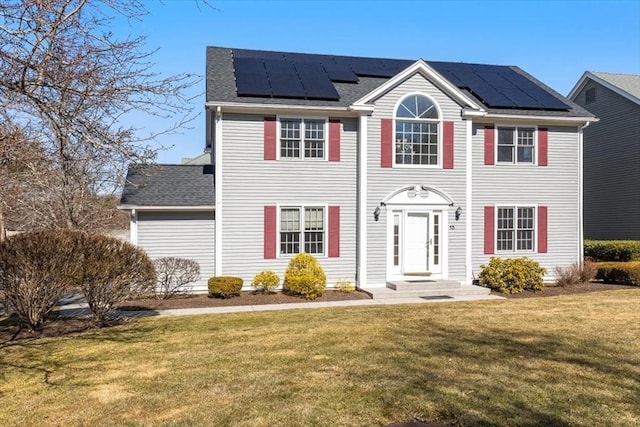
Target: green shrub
(612,250)
(266,281)
(344,284)
(626,273)
(305,277)
(114,271)
(36,269)
(512,275)
(225,287)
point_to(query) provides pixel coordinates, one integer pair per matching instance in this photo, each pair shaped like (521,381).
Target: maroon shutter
(489,145)
(489,232)
(543,145)
(386,145)
(334,232)
(334,140)
(270,218)
(270,138)
(447,149)
(542,229)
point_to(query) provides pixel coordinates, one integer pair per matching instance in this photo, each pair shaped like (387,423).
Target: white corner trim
(362,193)
(590,76)
(423,68)
(217,185)
(133,227)
(581,192)
(468,211)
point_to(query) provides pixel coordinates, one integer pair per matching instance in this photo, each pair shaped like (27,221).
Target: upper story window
(590,95)
(417,137)
(302,138)
(516,145)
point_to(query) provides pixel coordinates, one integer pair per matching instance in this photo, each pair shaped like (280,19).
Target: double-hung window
(302,138)
(417,139)
(515,229)
(302,228)
(516,145)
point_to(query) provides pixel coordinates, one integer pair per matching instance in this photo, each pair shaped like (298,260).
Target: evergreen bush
(512,275)
(305,277)
(225,287)
(266,281)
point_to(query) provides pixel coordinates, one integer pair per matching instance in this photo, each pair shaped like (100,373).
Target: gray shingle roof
(629,83)
(221,87)
(169,185)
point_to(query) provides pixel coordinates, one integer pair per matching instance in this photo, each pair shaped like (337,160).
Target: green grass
(560,361)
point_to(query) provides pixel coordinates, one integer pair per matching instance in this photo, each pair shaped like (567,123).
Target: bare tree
(73,84)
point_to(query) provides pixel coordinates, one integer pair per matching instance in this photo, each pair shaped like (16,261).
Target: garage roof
(168,185)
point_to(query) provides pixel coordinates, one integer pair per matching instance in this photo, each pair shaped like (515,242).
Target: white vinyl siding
(249,183)
(180,234)
(555,186)
(383,181)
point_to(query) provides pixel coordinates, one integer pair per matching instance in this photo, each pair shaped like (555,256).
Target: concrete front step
(423,285)
(440,291)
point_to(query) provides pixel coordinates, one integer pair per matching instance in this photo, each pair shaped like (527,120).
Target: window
(516,145)
(308,234)
(590,95)
(417,136)
(515,229)
(302,138)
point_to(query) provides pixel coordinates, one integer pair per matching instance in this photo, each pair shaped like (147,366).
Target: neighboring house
(611,154)
(202,159)
(385,170)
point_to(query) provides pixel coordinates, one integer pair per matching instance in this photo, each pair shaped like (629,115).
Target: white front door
(416,243)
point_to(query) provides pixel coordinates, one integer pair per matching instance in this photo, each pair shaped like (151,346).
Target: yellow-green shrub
(305,277)
(512,275)
(344,284)
(626,273)
(224,286)
(266,281)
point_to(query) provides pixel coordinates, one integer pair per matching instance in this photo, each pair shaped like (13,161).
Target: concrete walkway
(80,309)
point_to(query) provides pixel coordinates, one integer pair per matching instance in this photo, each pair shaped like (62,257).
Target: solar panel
(339,72)
(251,77)
(257,54)
(315,81)
(284,79)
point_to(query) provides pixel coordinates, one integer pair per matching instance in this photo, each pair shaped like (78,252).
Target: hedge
(225,287)
(612,250)
(625,273)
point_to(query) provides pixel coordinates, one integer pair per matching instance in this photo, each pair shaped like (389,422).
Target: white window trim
(515,153)
(439,122)
(302,157)
(515,206)
(302,206)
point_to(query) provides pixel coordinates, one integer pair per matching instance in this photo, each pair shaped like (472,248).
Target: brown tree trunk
(3,231)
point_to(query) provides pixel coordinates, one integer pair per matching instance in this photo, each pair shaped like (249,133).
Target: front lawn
(571,360)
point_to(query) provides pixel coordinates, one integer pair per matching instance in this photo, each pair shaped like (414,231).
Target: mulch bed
(245,298)
(552,291)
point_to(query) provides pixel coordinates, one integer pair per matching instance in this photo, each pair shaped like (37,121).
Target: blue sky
(556,41)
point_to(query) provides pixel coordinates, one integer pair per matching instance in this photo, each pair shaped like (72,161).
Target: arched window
(417,131)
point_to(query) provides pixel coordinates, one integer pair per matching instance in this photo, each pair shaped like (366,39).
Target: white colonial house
(388,171)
